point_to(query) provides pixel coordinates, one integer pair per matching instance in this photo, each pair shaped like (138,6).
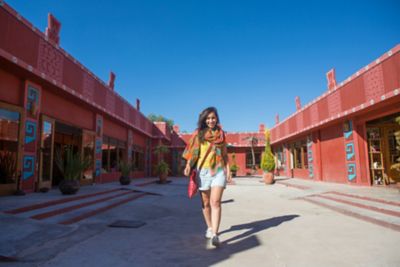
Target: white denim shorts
(205,180)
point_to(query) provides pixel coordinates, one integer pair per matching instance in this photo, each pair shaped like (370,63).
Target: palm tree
(253,141)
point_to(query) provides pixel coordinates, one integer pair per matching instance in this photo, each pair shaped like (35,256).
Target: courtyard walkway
(291,223)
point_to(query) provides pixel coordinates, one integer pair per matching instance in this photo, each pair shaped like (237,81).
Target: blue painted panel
(351,171)
(28,167)
(30,131)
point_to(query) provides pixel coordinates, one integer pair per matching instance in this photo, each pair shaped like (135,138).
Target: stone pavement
(291,223)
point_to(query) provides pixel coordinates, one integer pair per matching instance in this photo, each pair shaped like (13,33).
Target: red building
(48,100)
(346,135)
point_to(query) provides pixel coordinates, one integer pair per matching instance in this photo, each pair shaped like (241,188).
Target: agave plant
(71,164)
(125,168)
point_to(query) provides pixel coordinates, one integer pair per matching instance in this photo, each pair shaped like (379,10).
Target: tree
(154,117)
(253,141)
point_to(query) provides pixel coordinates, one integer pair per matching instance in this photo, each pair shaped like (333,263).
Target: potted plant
(162,170)
(71,166)
(234,167)
(268,161)
(125,169)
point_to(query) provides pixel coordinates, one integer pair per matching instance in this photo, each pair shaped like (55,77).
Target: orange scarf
(219,155)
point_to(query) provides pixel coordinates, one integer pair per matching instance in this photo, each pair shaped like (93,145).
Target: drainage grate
(7,259)
(127,224)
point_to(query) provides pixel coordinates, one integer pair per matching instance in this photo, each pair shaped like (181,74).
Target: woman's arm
(226,161)
(189,154)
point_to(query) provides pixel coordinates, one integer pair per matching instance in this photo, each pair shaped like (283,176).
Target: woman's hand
(229,177)
(186,171)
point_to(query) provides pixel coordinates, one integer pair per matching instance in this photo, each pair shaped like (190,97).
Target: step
(373,211)
(56,202)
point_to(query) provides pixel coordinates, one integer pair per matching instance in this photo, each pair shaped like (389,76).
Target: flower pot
(69,187)
(268,177)
(233,173)
(124,180)
(163,178)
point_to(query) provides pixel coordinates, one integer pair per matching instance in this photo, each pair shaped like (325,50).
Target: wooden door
(88,152)
(46,152)
(392,154)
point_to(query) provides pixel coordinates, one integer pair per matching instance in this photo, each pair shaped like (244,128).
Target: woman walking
(208,147)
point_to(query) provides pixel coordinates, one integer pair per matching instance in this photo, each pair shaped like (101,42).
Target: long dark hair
(201,123)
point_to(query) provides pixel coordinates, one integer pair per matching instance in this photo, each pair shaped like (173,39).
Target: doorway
(65,135)
(383,150)
(46,153)
(10,147)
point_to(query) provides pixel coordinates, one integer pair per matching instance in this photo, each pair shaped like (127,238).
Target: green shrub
(234,167)
(267,158)
(162,168)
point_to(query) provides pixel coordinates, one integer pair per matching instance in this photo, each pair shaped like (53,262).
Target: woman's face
(211,120)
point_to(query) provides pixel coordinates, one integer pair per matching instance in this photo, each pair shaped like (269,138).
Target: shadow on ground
(255,227)
(239,243)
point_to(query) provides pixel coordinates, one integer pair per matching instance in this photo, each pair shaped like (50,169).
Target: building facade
(346,135)
(49,101)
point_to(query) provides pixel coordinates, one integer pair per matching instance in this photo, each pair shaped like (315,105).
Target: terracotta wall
(66,111)
(115,130)
(11,88)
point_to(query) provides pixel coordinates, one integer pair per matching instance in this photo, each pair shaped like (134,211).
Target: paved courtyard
(290,223)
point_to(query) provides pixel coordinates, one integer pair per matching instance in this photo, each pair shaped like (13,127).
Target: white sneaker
(215,241)
(209,233)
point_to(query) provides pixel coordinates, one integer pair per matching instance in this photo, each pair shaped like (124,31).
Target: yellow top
(203,150)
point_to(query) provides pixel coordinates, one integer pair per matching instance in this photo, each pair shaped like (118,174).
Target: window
(9,131)
(122,151)
(88,141)
(249,159)
(113,154)
(300,158)
(137,158)
(105,155)
(113,151)
(279,157)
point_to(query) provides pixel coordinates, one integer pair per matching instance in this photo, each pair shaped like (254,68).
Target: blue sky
(250,59)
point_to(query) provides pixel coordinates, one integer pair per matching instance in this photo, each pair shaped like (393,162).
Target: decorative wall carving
(334,103)
(373,83)
(88,86)
(50,61)
(314,114)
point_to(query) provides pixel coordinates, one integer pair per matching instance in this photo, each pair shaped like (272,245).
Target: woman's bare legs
(211,202)
(205,200)
(215,203)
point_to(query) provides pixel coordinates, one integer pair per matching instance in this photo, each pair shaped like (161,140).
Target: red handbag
(192,186)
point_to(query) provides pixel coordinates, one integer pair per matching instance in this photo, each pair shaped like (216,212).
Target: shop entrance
(10,147)
(65,135)
(384,150)
(46,153)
